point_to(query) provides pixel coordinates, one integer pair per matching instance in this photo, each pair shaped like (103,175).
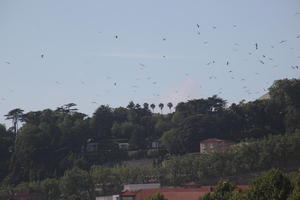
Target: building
(27,195)
(92,147)
(155,145)
(171,193)
(112,197)
(123,146)
(136,187)
(214,144)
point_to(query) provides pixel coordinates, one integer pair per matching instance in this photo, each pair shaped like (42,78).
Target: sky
(111,52)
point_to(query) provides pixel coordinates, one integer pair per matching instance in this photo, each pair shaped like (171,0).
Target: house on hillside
(214,144)
(92,147)
(123,146)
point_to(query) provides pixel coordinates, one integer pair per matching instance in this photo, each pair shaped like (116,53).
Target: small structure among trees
(213,144)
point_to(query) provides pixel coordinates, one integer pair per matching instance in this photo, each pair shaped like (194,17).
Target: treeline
(50,142)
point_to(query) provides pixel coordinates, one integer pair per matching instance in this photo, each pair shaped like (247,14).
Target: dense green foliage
(273,184)
(50,143)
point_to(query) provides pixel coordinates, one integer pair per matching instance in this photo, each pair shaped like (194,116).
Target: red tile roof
(128,193)
(242,187)
(174,193)
(191,184)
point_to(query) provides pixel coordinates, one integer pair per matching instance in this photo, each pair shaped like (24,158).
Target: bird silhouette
(42,56)
(116,37)
(198,25)
(256,46)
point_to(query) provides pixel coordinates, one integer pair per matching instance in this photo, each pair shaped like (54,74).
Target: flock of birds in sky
(141,66)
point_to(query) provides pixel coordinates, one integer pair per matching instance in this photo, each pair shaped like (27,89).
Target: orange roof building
(171,193)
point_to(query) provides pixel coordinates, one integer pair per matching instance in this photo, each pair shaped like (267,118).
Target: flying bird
(262,62)
(227,63)
(282,41)
(116,36)
(256,46)
(42,56)
(7,62)
(198,25)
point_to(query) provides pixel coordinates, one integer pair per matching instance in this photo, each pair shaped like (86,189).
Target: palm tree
(170,105)
(15,115)
(146,106)
(161,106)
(152,107)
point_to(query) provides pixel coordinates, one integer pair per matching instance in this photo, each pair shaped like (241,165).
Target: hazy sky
(159,55)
